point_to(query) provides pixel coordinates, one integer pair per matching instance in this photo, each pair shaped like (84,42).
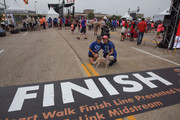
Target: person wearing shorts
(83,30)
(94,48)
(123,31)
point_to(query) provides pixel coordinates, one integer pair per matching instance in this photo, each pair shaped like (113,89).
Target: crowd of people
(129,30)
(34,23)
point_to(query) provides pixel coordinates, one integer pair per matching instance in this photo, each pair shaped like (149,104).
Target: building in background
(139,15)
(88,11)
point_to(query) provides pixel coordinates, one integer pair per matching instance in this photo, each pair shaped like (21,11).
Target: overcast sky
(117,7)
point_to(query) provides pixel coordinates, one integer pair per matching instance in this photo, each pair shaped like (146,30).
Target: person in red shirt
(142,28)
(126,24)
(132,30)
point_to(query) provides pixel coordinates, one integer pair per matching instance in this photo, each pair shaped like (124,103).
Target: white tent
(127,16)
(52,13)
(161,15)
(165,12)
(15,8)
(105,17)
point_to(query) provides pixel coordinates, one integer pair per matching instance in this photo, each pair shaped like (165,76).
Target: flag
(67,1)
(26,1)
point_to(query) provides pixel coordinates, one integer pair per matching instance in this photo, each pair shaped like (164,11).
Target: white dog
(103,60)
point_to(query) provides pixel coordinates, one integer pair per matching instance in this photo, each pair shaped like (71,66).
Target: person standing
(83,30)
(49,22)
(123,32)
(10,23)
(95,26)
(152,27)
(41,23)
(132,31)
(94,48)
(38,23)
(142,28)
(44,22)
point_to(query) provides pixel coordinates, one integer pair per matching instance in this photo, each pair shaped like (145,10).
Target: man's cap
(99,37)
(105,37)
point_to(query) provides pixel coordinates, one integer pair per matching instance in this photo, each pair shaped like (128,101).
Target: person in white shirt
(10,23)
(123,31)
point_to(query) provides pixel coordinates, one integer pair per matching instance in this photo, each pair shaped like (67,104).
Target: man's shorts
(123,34)
(91,56)
(83,30)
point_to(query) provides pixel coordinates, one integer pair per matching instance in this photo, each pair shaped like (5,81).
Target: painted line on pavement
(97,74)
(1,51)
(86,70)
(131,117)
(93,71)
(149,40)
(156,56)
(115,33)
(119,119)
(25,33)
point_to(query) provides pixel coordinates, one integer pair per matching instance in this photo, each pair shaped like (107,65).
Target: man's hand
(93,53)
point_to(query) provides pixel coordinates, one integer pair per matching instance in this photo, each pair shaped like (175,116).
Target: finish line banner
(97,98)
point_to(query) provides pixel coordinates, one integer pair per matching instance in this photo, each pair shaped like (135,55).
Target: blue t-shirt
(107,49)
(55,20)
(63,20)
(114,23)
(49,20)
(95,47)
(83,23)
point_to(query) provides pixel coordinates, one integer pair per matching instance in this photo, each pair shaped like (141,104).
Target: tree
(116,17)
(90,16)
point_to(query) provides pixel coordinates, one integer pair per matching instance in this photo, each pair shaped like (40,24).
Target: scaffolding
(170,31)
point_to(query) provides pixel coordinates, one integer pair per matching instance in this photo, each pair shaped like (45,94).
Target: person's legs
(79,36)
(91,60)
(85,33)
(138,39)
(124,37)
(96,56)
(121,36)
(142,35)
(95,31)
(132,36)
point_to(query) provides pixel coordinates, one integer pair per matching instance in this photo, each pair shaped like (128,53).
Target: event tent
(127,16)
(52,13)
(165,12)
(161,15)
(15,8)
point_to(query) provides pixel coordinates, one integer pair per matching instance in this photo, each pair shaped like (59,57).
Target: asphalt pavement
(52,54)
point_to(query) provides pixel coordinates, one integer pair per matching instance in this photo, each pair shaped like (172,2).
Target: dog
(103,60)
